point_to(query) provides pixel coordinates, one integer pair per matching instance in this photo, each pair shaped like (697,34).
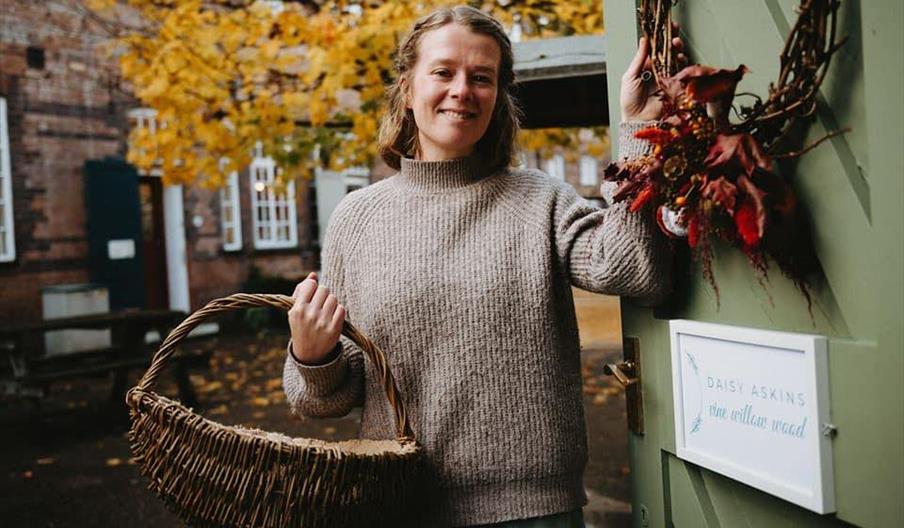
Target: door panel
(851,188)
(114,216)
(690,504)
(733,504)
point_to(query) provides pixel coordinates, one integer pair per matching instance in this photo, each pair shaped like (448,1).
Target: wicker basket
(217,475)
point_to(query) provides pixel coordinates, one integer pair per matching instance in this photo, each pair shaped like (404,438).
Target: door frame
(174,237)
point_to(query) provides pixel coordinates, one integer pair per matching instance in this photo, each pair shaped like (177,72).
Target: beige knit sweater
(463,279)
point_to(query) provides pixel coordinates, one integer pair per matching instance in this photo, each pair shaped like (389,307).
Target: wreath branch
(811,146)
(710,178)
(804,61)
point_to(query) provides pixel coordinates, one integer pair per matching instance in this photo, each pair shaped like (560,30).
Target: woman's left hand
(640,99)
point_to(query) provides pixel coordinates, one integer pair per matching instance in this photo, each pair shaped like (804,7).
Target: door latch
(623,372)
(627,372)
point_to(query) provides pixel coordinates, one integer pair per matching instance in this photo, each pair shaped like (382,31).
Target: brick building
(62,111)
(72,212)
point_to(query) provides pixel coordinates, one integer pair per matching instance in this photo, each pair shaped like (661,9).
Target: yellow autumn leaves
(224,75)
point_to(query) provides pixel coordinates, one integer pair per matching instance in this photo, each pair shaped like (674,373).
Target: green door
(853,189)
(114,222)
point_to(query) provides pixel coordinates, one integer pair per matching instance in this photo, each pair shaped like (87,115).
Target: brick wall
(60,114)
(73,109)
(214,272)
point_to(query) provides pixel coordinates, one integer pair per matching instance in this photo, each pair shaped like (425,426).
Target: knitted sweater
(463,279)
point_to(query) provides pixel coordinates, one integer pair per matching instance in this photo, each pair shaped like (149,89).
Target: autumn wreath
(711,178)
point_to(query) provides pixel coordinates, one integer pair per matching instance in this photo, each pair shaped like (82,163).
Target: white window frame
(271,211)
(144,118)
(7,229)
(141,118)
(555,167)
(231,213)
(589,168)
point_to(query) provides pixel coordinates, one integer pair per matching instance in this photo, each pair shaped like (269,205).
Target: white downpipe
(176,257)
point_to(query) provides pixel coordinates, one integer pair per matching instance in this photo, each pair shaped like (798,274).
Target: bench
(25,369)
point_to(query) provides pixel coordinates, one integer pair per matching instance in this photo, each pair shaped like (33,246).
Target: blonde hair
(398,131)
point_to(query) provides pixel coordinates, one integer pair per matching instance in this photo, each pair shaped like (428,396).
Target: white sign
(121,249)
(754,405)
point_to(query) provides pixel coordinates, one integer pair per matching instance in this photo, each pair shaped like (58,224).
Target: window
(7,232)
(555,167)
(230,214)
(34,57)
(356,178)
(272,208)
(588,171)
(145,118)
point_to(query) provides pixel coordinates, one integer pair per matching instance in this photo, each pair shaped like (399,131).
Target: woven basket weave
(218,475)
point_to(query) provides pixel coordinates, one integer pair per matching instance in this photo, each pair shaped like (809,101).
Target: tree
(305,78)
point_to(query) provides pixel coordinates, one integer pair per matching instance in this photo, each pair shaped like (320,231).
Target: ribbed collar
(438,176)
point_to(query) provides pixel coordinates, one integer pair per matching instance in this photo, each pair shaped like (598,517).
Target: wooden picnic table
(26,370)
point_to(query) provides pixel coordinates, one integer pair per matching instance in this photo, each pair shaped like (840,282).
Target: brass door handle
(629,373)
(623,371)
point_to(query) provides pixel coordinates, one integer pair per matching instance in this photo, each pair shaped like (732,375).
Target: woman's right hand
(640,99)
(315,321)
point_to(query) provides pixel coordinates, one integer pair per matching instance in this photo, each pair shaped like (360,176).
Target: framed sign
(753,405)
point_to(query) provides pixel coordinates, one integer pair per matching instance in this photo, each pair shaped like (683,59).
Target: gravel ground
(64,460)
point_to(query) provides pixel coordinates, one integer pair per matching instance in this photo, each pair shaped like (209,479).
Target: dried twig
(804,62)
(811,146)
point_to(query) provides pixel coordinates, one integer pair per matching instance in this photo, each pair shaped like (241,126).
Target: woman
(460,268)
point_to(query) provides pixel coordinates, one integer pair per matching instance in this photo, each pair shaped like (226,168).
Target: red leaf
(746,221)
(654,135)
(755,198)
(643,197)
(722,192)
(693,232)
(704,84)
(739,151)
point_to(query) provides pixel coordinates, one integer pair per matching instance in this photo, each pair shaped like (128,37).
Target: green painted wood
(883,39)
(739,505)
(853,189)
(690,502)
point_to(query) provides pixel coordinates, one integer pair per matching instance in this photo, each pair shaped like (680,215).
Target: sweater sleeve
(334,388)
(612,251)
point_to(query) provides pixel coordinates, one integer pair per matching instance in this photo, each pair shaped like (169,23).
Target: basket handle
(248,300)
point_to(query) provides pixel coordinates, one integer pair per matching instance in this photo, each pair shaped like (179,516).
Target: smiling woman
(460,268)
(452,91)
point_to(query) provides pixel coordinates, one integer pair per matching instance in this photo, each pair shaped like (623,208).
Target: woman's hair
(398,131)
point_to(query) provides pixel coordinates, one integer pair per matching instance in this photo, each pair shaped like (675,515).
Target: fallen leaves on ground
(213,386)
(218,410)
(243,380)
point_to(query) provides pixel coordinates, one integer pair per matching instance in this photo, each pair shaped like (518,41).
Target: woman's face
(452,90)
